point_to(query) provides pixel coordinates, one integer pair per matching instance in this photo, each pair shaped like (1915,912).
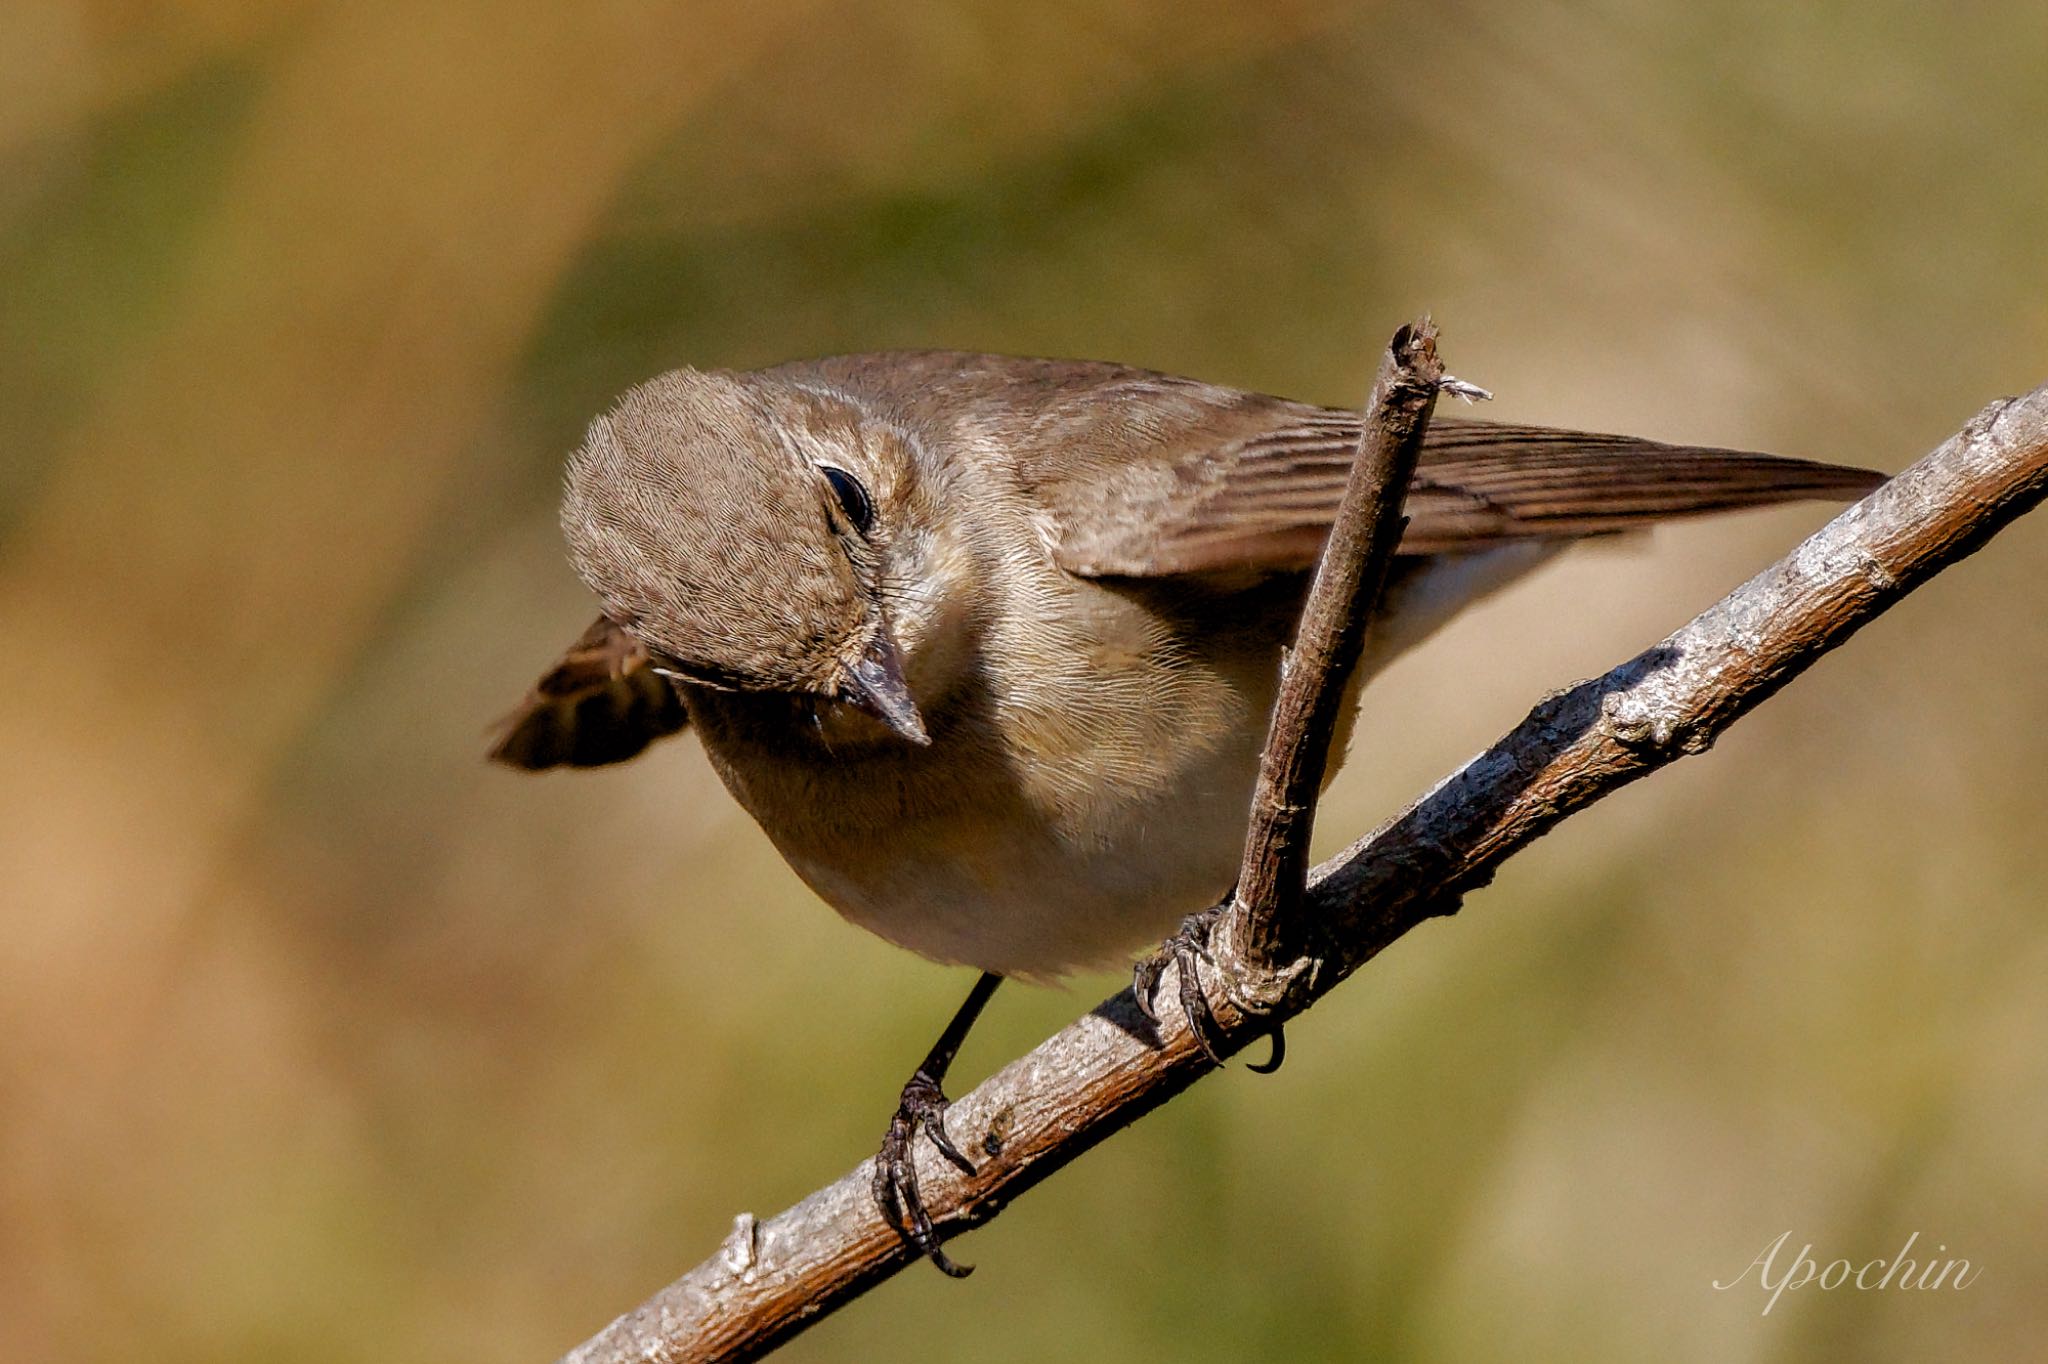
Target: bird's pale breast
(1086,784)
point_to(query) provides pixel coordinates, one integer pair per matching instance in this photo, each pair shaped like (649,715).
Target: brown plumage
(1072,579)
(601,704)
(987,645)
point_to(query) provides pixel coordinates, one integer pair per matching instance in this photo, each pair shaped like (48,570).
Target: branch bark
(1102,1072)
(1260,943)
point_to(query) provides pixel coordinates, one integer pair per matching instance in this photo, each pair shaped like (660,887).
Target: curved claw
(1189,942)
(922,1106)
(1145,984)
(1194,1003)
(935,1128)
(1188,948)
(1273,1062)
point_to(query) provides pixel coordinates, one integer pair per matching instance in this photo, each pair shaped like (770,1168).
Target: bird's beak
(875,685)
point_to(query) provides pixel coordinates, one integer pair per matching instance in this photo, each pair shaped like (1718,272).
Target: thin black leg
(923,1105)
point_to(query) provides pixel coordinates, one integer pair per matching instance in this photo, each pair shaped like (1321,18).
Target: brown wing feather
(600,704)
(1266,501)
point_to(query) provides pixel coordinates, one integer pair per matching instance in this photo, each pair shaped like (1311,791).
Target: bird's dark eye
(853,499)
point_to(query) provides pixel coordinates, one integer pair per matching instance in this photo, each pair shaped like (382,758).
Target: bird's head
(733,526)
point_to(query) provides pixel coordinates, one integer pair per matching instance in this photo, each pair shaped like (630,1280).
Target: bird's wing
(1209,495)
(600,704)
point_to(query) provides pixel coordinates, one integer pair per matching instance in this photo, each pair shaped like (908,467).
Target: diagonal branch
(772,1278)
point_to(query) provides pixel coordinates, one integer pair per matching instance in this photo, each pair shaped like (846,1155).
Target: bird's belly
(1031,898)
(976,867)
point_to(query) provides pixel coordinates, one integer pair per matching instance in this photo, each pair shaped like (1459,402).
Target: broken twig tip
(741,1252)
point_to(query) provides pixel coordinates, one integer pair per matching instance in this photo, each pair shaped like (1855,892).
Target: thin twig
(1108,1068)
(1260,943)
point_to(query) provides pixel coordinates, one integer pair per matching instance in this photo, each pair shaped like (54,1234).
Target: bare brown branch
(1261,940)
(1100,1073)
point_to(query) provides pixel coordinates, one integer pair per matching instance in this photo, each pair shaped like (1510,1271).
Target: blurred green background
(322,1040)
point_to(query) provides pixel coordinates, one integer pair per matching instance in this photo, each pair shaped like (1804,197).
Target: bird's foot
(1187,949)
(922,1107)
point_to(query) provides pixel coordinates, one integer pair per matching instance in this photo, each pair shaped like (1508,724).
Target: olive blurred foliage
(319,1039)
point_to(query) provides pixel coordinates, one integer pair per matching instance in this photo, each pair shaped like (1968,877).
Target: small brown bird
(987,644)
